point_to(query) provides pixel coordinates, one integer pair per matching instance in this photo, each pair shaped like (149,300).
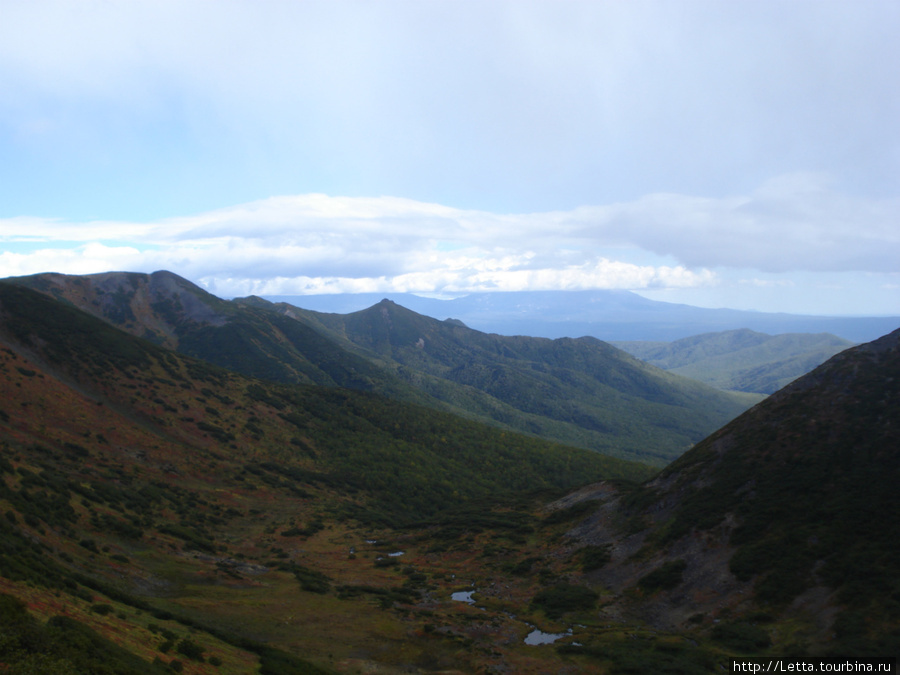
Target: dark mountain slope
(791,509)
(579,391)
(740,360)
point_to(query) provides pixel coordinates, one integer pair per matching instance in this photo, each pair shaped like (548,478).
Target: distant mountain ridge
(741,360)
(582,392)
(610,315)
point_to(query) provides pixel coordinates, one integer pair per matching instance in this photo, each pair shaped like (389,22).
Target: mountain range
(609,315)
(582,391)
(164,513)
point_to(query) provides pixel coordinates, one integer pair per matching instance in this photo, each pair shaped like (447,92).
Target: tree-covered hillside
(580,392)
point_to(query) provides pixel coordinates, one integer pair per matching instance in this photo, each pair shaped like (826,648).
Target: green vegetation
(663,578)
(813,487)
(594,557)
(62,645)
(741,637)
(204,521)
(563,598)
(740,360)
(580,392)
(416,462)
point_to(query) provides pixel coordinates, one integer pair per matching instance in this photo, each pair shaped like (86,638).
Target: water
(538,637)
(463,596)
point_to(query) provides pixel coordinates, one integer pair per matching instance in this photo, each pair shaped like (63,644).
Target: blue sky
(737,154)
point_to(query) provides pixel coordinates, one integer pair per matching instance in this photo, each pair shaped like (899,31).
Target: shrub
(563,598)
(190,649)
(594,557)
(663,578)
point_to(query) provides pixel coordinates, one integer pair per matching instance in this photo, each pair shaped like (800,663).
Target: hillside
(164,514)
(582,391)
(175,313)
(740,360)
(784,522)
(191,514)
(579,392)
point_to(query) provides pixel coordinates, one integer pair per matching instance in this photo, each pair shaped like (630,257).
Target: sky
(740,153)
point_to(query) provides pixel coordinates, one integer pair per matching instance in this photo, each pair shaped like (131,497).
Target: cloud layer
(317,243)
(649,144)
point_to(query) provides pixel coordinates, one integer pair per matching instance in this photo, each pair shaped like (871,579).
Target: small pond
(463,596)
(538,637)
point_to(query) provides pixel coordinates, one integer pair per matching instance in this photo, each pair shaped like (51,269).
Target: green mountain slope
(160,513)
(579,391)
(194,515)
(352,434)
(784,521)
(740,360)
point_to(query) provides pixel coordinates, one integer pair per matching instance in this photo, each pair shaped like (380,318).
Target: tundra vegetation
(160,514)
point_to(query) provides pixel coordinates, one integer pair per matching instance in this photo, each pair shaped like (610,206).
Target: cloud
(794,222)
(316,242)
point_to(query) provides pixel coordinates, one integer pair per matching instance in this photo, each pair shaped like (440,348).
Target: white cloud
(315,242)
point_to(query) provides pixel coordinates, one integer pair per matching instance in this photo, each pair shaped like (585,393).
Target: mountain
(161,513)
(609,315)
(779,528)
(175,313)
(581,392)
(740,360)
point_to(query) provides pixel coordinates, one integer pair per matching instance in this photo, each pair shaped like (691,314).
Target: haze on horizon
(737,154)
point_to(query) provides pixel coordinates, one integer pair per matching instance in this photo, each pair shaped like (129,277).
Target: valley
(165,513)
